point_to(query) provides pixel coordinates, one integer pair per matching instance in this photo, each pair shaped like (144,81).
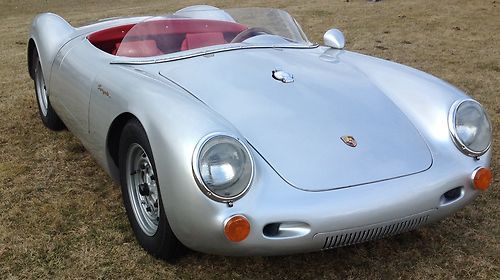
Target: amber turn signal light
(481,178)
(237,228)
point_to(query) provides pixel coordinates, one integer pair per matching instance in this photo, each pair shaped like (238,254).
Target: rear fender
(49,32)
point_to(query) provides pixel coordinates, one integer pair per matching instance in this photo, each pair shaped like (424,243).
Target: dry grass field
(61,216)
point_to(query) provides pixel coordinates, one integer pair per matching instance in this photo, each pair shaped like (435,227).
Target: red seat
(169,33)
(137,49)
(200,40)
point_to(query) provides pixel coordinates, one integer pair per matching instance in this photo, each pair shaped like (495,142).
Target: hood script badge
(349,141)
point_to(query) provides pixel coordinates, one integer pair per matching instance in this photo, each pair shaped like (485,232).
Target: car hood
(297,127)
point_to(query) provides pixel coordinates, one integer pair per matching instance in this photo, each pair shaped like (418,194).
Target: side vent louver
(352,237)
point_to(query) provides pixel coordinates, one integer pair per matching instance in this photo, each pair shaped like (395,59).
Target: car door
(73,74)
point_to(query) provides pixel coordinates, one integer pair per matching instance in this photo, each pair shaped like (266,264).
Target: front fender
(174,122)
(426,100)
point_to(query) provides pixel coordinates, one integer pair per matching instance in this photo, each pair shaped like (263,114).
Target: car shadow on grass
(392,257)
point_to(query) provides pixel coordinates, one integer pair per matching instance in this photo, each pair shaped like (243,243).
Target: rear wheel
(49,117)
(141,194)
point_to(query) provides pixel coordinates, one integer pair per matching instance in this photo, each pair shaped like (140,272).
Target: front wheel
(141,194)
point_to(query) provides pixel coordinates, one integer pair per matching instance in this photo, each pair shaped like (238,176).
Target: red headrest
(138,48)
(200,40)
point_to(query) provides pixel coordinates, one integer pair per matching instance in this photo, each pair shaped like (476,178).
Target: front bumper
(285,220)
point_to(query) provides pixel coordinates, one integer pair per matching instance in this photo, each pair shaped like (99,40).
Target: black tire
(49,117)
(163,244)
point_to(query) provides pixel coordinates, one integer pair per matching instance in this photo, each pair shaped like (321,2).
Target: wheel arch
(31,48)
(114,134)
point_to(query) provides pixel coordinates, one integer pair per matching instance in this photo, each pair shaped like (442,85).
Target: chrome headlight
(223,167)
(470,127)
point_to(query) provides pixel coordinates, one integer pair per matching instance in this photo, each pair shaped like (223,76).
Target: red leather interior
(143,48)
(200,40)
(166,36)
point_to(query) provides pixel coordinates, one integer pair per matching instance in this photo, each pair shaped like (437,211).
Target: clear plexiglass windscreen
(204,26)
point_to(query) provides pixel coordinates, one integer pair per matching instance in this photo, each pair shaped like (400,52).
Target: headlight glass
(470,127)
(223,167)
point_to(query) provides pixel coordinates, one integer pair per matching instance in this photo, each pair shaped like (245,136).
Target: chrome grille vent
(350,237)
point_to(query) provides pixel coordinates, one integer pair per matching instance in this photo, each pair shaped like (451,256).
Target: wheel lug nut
(144,189)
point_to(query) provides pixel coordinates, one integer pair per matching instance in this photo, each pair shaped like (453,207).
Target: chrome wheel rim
(41,90)
(142,189)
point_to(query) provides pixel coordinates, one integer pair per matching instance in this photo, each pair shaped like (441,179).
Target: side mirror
(334,38)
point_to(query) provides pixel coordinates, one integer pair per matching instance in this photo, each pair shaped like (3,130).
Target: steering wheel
(250,32)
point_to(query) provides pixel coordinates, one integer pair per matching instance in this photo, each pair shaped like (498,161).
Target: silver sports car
(231,133)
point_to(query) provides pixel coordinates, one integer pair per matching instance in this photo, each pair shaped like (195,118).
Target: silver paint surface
(304,120)
(334,38)
(397,114)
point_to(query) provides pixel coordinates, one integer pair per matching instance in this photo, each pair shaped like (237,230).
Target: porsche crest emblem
(349,141)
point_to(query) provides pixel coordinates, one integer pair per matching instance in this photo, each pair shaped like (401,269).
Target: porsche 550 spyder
(231,133)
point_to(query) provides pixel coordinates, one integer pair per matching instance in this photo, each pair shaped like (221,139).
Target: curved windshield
(203,26)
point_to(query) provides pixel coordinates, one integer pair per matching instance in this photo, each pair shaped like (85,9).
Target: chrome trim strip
(206,52)
(197,175)
(454,134)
